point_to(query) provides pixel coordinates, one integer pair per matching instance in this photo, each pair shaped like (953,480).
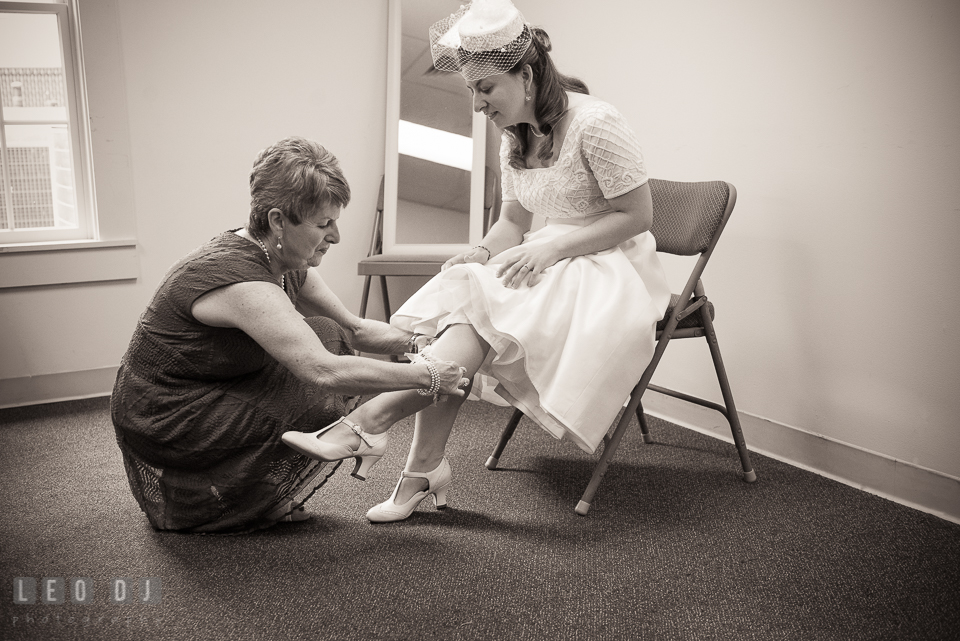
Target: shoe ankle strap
(423,475)
(357,430)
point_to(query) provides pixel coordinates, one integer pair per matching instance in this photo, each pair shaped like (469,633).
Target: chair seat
(693,320)
(402,264)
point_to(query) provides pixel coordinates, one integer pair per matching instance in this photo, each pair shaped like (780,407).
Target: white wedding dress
(568,350)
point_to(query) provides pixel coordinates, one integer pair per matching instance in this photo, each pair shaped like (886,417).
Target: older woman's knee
(331,334)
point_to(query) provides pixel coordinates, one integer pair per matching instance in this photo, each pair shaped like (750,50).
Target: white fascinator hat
(483,38)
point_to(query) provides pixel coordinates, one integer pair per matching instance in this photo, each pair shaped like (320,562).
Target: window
(46,192)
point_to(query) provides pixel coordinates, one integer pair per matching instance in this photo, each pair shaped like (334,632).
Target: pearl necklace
(283,282)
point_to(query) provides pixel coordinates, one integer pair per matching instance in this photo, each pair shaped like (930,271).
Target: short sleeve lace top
(600,158)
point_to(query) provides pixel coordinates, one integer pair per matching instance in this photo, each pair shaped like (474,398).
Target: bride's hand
(525,264)
(474,255)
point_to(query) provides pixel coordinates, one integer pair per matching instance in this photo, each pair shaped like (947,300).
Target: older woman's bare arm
(367,335)
(264,312)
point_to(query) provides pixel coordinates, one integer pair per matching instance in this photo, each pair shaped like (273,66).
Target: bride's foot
(340,440)
(412,488)
(408,486)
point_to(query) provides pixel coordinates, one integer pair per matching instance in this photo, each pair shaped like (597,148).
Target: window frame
(80,139)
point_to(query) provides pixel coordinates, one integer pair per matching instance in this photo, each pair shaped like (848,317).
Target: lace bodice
(600,158)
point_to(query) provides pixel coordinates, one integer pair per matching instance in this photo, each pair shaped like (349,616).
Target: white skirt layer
(566,351)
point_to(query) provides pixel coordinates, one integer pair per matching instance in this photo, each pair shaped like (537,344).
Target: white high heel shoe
(438,482)
(371,448)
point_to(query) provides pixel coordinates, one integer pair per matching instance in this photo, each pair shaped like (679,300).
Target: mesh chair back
(686,215)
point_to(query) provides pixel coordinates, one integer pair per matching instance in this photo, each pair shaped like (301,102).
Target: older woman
(559,322)
(242,342)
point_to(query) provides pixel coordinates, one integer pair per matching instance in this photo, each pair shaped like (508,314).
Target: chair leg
(583,507)
(749,475)
(508,431)
(647,438)
(386,298)
(611,444)
(365,297)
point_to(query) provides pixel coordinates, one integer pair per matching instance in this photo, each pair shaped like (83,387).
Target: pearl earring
(279,246)
(528,98)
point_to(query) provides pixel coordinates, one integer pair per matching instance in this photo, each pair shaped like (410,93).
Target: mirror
(436,145)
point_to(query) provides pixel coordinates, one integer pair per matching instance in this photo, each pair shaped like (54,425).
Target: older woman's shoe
(371,448)
(286,513)
(438,482)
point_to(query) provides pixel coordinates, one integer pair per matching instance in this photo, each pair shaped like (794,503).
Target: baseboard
(905,483)
(51,388)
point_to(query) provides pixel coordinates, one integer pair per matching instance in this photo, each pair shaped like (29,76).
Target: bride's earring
(279,246)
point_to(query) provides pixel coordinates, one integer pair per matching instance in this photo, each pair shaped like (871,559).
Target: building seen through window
(40,143)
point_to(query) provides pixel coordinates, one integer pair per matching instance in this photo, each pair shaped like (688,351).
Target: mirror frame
(392,161)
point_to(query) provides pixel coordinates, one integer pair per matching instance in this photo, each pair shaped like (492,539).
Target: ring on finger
(525,267)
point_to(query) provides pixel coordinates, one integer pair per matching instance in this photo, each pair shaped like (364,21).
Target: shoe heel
(363,466)
(440,497)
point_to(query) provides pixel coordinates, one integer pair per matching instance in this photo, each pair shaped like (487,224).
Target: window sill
(65,262)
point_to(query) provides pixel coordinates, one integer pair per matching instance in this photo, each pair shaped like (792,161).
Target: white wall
(835,120)
(211,83)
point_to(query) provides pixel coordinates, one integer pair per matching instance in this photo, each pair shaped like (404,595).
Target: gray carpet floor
(676,547)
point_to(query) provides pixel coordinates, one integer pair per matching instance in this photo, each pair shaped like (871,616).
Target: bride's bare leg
(460,344)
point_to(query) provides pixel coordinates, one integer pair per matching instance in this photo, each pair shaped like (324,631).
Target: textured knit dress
(199,410)
(568,350)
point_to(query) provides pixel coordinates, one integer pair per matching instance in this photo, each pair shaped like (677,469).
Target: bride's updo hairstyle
(490,37)
(550,100)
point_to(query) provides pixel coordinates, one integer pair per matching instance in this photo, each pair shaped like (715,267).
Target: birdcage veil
(483,38)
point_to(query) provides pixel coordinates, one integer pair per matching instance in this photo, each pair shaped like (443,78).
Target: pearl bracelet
(434,379)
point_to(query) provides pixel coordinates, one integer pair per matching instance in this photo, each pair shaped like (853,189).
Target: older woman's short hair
(296,176)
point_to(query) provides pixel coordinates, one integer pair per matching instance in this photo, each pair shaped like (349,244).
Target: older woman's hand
(421,342)
(453,381)
(452,377)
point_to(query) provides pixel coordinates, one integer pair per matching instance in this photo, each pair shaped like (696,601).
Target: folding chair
(688,219)
(379,264)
